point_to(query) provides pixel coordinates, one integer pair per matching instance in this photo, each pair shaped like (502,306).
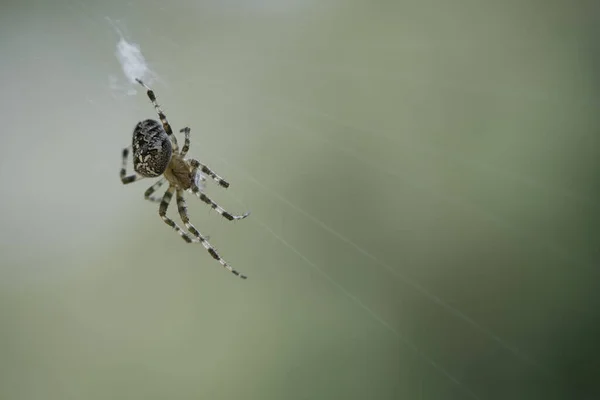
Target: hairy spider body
(152,149)
(156,153)
(181,174)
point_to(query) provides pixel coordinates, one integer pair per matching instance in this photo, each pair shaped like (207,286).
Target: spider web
(326,131)
(134,65)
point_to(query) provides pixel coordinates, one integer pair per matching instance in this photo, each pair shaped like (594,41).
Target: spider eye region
(152,148)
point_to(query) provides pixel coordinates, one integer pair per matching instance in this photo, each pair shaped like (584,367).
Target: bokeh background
(422,177)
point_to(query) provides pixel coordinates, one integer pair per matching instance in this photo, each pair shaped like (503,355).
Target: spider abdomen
(152,148)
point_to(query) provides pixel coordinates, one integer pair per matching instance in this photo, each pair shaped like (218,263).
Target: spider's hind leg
(123,173)
(182,208)
(152,189)
(161,114)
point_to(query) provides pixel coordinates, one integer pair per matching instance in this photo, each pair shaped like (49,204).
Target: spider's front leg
(162,212)
(225,214)
(123,174)
(197,164)
(182,208)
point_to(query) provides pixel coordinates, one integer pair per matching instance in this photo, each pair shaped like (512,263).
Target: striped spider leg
(156,154)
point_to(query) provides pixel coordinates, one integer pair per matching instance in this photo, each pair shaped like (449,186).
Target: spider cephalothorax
(155,153)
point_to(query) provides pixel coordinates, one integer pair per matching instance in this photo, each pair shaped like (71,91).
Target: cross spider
(155,153)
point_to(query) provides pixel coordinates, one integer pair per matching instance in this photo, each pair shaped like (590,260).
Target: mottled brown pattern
(156,154)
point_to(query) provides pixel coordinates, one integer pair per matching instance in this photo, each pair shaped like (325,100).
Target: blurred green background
(422,177)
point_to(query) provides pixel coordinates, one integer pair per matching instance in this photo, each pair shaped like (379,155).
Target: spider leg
(209,172)
(152,189)
(186,144)
(123,174)
(182,208)
(217,207)
(162,212)
(161,115)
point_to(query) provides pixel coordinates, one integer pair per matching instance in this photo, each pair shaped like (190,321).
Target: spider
(156,153)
